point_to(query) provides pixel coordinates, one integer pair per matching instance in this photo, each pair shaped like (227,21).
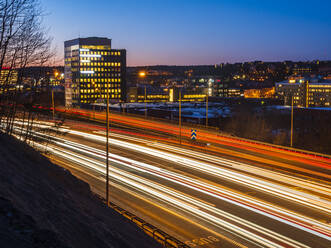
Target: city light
(87,72)
(90,55)
(142,74)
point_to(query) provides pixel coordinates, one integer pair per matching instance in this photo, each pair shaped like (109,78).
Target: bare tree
(23,42)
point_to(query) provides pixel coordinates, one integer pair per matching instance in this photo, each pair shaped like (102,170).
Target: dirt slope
(43,205)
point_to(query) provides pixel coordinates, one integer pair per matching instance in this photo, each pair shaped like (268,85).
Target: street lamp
(207,110)
(99,91)
(145,103)
(53,107)
(107,147)
(107,142)
(292,122)
(180,116)
(142,74)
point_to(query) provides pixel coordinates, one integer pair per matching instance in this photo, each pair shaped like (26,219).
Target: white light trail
(187,204)
(254,182)
(255,205)
(316,227)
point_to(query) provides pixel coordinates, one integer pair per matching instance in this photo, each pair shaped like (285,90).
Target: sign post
(193,134)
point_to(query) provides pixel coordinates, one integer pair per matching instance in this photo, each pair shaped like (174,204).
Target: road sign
(193,134)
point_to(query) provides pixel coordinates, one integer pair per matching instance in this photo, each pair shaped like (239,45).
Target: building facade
(306,92)
(149,94)
(92,70)
(319,94)
(8,79)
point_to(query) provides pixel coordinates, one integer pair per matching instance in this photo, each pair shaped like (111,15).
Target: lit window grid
(93,88)
(8,76)
(93,62)
(318,95)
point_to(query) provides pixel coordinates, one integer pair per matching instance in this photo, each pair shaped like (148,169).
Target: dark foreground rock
(43,205)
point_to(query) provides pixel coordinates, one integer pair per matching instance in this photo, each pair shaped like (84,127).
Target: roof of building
(102,41)
(317,80)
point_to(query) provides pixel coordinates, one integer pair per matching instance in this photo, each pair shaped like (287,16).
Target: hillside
(43,205)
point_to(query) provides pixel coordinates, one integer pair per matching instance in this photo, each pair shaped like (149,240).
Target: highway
(202,199)
(263,155)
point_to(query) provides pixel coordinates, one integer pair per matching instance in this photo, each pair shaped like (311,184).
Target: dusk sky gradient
(191,32)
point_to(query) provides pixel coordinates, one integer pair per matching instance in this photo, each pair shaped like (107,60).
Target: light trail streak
(256,183)
(186,181)
(293,219)
(309,185)
(187,204)
(210,136)
(208,168)
(290,180)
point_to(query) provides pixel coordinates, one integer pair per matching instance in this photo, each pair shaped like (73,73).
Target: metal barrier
(247,141)
(279,147)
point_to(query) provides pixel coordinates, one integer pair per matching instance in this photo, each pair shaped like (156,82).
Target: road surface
(201,197)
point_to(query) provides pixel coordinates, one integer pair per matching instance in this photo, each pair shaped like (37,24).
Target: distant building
(225,90)
(56,79)
(234,92)
(301,70)
(319,94)
(91,68)
(147,94)
(306,92)
(154,94)
(216,87)
(8,79)
(260,93)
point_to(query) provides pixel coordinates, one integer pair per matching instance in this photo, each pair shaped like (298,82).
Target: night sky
(190,32)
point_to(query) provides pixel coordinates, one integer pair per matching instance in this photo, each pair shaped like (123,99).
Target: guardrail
(248,141)
(162,237)
(284,148)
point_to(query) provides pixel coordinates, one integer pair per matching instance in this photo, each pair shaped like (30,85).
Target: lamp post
(107,147)
(292,122)
(207,110)
(145,103)
(180,117)
(53,107)
(107,140)
(99,91)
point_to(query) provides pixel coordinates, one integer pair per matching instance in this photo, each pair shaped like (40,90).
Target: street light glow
(142,74)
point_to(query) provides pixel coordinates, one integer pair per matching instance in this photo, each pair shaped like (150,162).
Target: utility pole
(180,117)
(94,110)
(100,97)
(53,107)
(145,103)
(292,123)
(207,110)
(107,148)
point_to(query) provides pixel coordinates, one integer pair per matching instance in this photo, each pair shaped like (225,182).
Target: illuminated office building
(8,79)
(8,76)
(306,92)
(93,69)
